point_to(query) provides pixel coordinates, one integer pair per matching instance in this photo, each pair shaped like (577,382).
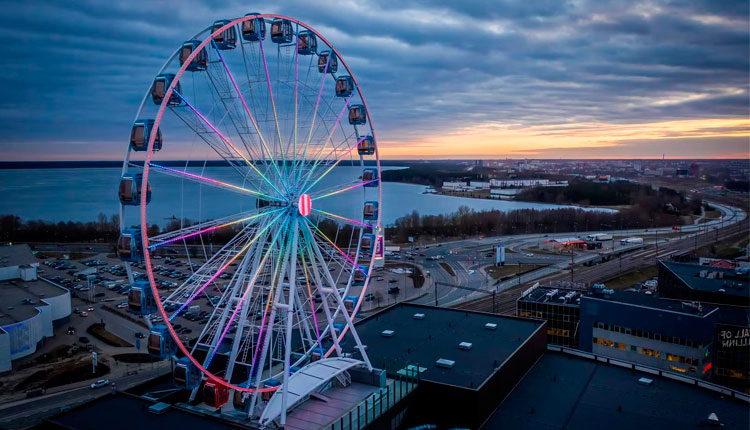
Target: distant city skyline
(455,80)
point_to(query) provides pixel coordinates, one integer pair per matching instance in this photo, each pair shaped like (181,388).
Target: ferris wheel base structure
(281,269)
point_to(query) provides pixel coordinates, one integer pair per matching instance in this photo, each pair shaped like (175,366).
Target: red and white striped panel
(304,205)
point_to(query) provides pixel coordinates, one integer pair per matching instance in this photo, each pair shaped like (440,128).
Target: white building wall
(60,306)
(9,272)
(20,339)
(24,336)
(453,185)
(482,185)
(27,273)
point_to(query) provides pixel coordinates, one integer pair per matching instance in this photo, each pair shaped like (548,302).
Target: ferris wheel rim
(146,168)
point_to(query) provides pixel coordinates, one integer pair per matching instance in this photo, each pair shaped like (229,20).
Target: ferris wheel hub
(304,205)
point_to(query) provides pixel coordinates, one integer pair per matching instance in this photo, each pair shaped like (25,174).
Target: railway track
(505,302)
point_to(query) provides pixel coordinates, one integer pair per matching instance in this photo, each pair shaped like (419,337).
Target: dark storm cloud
(75,71)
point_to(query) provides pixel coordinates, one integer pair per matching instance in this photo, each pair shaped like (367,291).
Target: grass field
(98,331)
(629,279)
(448,268)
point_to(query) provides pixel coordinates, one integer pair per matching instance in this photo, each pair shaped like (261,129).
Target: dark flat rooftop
(651,301)
(732,283)
(567,392)
(423,342)
(12,296)
(16,255)
(133,414)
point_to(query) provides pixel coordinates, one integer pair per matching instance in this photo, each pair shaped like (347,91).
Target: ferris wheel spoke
(212,264)
(338,160)
(227,142)
(219,315)
(321,234)
(273,104)
(320,281)
(267,323)
(345,220)
(247,290)
(224,267)
(339,302)
(320,152)
(252,119)
(211,182)
(315,112)
(309,297)
(234,117)
(345,189)
(208,226)
(296,98)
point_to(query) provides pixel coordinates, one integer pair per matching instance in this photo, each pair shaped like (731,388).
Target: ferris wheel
(273,211)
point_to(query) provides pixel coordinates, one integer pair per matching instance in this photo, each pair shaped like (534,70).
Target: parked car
(84,314)
(84,340)
(71,330)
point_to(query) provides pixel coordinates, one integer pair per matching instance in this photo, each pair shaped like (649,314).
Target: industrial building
(731,365)
(692,281)
(640,328)
(560,307)
(31,306)
(465,362)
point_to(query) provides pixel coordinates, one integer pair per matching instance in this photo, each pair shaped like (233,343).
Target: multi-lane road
(468,257)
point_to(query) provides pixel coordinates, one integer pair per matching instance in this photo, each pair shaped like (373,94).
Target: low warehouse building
(30,308)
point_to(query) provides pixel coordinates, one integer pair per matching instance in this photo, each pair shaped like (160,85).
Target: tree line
(468,222)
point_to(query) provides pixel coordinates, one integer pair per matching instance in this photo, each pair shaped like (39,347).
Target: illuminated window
(735,374)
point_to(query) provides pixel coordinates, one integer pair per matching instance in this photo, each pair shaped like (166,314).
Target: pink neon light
(304,205)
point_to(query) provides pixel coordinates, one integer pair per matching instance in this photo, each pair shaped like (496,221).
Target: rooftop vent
(445,363)
(387,333)
(465,345)
(490,326)
(645,381)
(418,316)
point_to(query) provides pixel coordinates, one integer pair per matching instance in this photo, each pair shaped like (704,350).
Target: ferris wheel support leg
(243,312)
(289,319)
(304,320)
(323,295)
(340,303)
(267,339)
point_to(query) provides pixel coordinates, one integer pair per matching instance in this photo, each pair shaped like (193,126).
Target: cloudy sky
(444,79)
